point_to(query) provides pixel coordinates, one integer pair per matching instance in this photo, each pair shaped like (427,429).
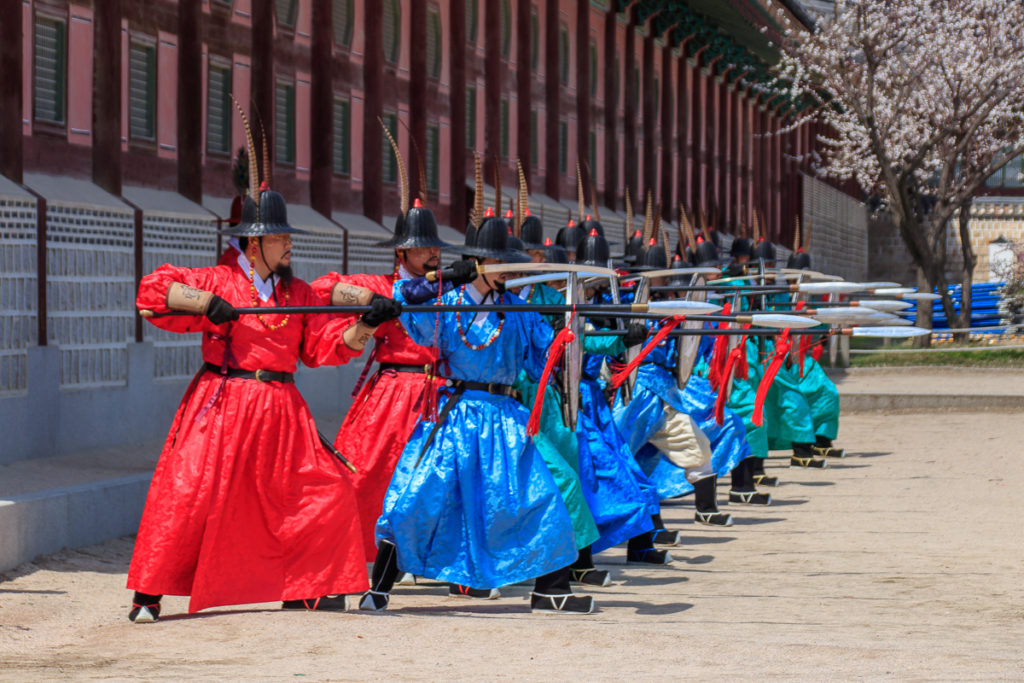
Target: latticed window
(434,50)
(471,116)
(593,69)
(506,28)
(433,155)
(563,55)
(392,21)
(50,71)
(504,126)
(142,91)
(563,147)
(342,149)
(472,20)
(534,39)
(218,108)
(343,17)
(284,123)
(389,167)
(286,12)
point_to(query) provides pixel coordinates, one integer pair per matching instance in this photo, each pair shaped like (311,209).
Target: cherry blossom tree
(924,101)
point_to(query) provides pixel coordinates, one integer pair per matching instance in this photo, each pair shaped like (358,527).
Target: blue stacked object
(984,306)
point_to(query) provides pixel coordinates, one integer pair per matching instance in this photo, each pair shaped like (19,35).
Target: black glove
(603,323)
(558,323)
(459,273)
(735,270)
(636,333)
(382,309)
(220,311)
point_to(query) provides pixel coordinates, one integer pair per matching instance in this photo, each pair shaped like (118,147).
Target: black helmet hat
(492,241)
(532,232)
(765,250)
(707,254)
(554,253)
(593,250)
(799,260)
(569,236)
(417,229)
(634,247)
(269,217)
(652,257)
(741,246)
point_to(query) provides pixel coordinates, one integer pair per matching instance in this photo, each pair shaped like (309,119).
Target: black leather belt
(489,387)
(403,367)
(258,375)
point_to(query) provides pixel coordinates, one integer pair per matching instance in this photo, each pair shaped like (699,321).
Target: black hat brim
(261,230)
(504,255)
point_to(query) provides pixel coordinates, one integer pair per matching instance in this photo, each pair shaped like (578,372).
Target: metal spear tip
(890,332)
(841,315)
(682,307)
(885,305)
(894,291)
(920,296)
(830,287)
(783,321)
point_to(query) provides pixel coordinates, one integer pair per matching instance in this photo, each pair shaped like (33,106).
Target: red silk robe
(386,410)
(246,505)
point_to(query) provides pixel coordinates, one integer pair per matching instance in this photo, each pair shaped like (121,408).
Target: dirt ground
(901,561)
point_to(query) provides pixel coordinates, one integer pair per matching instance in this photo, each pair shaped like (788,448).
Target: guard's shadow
(866,454)
(708,539)
(808,483)
(644,607)
(755,521)
(781,503)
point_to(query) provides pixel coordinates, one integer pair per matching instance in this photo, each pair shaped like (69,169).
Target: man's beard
(284,272)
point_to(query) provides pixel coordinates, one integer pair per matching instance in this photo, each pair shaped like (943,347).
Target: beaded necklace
(462,334)
(256,301)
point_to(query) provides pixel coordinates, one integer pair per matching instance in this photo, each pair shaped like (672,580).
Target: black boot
(823,447)
(803,456)
(743,490)
(382,578)
(552,593)
(663,536)
(760,478)
(705,499)
(456,590)
(583,570)
(145,608)
(640,550)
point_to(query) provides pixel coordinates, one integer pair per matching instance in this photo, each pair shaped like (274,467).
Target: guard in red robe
(390,404)
(246,504)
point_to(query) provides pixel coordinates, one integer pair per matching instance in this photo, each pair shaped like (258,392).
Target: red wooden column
(11,137)
(190,94)
(777,170)
(669,188)
(263,78)
(454,50)
(650,114)
(685,123)
(492,93)
(725,172)
(373,69)
(583,93)
(749,146)
(713,148)
(524,81)
(611,99)
(629,111)
(106,100)
(321,90)
(552,177)
(418,105)
(699,118)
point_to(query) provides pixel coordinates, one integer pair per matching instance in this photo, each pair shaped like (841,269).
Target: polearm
(335,452)
(875,332)
(691,310)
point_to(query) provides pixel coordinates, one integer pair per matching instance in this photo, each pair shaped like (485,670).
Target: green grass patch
(992,358)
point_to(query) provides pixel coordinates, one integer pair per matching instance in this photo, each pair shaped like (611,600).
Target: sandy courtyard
(901,561)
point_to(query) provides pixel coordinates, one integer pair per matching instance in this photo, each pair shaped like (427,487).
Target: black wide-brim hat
(270,218)
(532,233)
(492,242)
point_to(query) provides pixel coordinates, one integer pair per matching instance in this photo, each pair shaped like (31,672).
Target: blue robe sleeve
(539,337)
